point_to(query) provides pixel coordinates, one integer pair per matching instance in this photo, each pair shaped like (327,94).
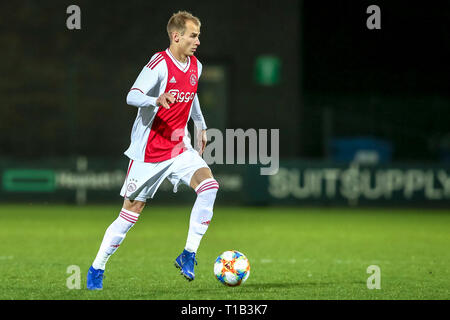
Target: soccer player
(165,94)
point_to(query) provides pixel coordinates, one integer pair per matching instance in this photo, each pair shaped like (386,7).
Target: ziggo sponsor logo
(182,96)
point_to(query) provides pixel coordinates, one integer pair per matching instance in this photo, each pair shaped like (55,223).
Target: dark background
(63,91)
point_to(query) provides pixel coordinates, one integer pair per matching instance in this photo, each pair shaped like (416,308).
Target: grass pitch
(295,253)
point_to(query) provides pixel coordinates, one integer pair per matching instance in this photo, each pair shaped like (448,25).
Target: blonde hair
(178,22)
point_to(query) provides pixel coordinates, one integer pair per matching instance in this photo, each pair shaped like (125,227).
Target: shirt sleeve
(196,114)
(200,68)
(149,78)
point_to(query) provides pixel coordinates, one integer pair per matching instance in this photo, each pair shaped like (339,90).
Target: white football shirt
(149,85)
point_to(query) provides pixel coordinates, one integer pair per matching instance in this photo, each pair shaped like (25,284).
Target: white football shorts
(144,178)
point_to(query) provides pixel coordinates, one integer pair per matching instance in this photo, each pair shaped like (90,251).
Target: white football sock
(114,236)
(202,213)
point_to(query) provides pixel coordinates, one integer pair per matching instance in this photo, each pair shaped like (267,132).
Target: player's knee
(134,205)
(201,175)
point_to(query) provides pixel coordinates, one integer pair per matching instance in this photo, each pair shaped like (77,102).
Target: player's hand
(202,140)
(165,100)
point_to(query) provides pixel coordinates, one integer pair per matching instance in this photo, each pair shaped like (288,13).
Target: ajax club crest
(131,187)
(193,79)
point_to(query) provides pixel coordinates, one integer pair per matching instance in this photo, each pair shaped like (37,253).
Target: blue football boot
(185,262)
(95,279)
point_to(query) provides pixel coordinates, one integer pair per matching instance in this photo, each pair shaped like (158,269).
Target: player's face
(189,41)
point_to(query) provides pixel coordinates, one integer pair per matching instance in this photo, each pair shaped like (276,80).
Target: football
(232,268)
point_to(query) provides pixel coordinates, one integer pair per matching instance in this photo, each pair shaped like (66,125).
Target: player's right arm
(150,77)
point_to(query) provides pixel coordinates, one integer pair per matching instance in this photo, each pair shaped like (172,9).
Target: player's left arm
(200,125)
(199,120)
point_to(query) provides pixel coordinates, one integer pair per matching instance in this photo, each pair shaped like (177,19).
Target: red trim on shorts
(129,168)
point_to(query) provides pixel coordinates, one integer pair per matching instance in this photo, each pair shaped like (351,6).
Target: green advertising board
(320,183)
